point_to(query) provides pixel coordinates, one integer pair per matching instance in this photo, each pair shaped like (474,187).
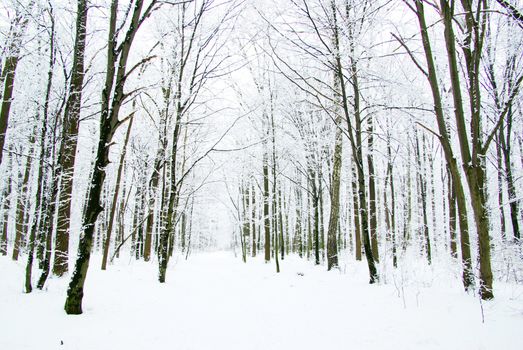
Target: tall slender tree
(8,73)
(67,151)
(113,97)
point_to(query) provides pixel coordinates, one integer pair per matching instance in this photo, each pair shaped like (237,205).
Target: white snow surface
(214,301)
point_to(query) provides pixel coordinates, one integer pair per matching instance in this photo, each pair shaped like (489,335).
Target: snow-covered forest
(226,174)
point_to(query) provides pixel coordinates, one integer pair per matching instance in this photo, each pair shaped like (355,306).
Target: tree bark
(7,77)
(452,216)
(444,137)
(357,225)
(373,213)
(391,211)
(422,185)
(275,206)
(355,138)
(266,219)
(37,215)
(499,161)
(332,243)
(155,176)
(21,208)
(109,123)
(6,207)
(253,221)
(114,200)
(298,230)
(509,178)
(67,152)
(473,163)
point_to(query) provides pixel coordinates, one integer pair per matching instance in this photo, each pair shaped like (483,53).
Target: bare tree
(113,96)
(7,76)
(67,151)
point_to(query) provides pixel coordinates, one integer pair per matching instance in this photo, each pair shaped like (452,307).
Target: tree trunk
(391,212)
(266,219)
(49,228)
(67,152)
(509,178)
(75,292)
(21,208)
(422,185)
(274,189)
(332,244)
(280,220)
(50,183)
(155,179)
(373,220)
(316,215)
(37,215)
(499,160)
(8,73)
(444,137)
(452,216)
(114,201)
(44,206)
(355,138)
(357,225)
(140,233)
(6,207)
(253,220)
(109,123)
(473,164)
(298,231)
(275,223)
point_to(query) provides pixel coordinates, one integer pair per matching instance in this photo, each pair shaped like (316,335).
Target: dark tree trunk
(422,186)
(7,76)
(21,208)
(473,163)
(373,213)
(45,197)
(509,177)
(50,183)
(114,201)
(6,207)
(67,152)
(452,216)
(357,225)
(391,211)
(37,215)
(298,234)
(155,180)
(334,218)
(281,225)
(266,219)
(109,123)
(253,220)
(468,278)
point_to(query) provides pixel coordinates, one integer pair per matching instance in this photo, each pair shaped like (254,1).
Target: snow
(214,301)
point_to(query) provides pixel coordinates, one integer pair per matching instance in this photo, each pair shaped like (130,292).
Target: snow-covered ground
(214,301)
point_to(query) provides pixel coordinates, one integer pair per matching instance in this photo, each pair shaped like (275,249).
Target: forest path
(214,301)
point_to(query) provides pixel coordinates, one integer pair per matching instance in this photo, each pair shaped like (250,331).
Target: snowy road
(213,301)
